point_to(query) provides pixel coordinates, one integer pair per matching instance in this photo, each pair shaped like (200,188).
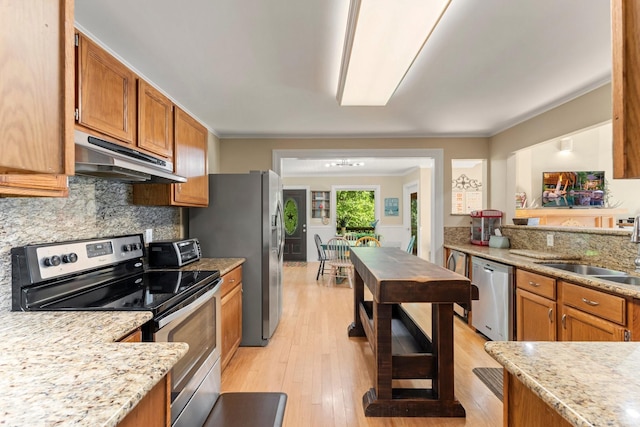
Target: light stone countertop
(64,368)
(225,265)
(587,383)
(533,264)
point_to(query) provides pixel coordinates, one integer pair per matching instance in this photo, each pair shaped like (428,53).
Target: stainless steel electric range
(109,274)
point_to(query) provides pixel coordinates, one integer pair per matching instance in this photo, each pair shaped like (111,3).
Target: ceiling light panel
(382,41)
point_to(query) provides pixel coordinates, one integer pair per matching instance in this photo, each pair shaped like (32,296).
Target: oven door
(195,379)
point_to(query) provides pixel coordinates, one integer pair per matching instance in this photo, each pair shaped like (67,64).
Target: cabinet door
(106,92)
(536,317)
(231,318)
(135,336)
(155,120)
(625,76)
(190,161)
(154,410)
(36,121)
(577,325)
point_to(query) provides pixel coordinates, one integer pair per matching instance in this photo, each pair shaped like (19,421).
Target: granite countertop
(533,263)
(225,265)
(587,383)
(64,368)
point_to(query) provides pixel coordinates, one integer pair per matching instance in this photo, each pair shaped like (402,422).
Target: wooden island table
(400,348)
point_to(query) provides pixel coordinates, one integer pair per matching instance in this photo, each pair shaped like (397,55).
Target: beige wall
(213,153)
(242,155)
(585,111)
(390,186)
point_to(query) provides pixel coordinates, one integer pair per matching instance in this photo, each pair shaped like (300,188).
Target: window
(467,185)
(355,209)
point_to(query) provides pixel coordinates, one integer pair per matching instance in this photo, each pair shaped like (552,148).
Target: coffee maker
(483,224)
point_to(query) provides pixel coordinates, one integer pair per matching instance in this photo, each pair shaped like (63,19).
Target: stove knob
(137,246)
(52,262)
(72,257)
(126,248)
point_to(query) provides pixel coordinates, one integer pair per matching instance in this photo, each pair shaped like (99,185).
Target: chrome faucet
(635,238)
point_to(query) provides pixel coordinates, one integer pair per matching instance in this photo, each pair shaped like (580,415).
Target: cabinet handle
(534,284)
(232,280)
(551,315)
(589,302)
(564,321)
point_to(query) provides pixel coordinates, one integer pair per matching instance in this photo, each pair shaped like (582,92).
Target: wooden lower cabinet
(577,325)
(535,307)
(522,408)
(536,317)
(154,410)
(590,315)
(231,314)
(135,336)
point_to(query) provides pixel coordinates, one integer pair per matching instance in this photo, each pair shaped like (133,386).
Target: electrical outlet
(549,239)
(148,235)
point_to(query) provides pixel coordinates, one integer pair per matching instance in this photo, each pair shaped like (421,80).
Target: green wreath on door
(290,216)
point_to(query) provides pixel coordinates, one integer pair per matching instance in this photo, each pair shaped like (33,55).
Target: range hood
(103,159)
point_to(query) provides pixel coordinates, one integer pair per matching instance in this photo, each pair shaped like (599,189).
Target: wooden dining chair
(340,267)
(352,237)
(368,241)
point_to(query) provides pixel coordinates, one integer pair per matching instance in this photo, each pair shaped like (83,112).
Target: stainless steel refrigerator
(244,219)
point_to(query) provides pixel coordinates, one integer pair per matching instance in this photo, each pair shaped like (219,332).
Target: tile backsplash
(94,208)
(605,247)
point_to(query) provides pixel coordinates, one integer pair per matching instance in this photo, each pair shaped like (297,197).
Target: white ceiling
(256,68)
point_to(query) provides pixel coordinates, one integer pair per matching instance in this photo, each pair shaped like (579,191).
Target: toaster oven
(174,253)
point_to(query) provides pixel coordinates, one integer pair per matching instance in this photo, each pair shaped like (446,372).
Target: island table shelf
(401,349)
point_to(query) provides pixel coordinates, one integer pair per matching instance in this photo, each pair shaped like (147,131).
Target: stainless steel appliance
(174,253)
(102,158)
(457,261)
(493,313)
(108,274)
(244,219)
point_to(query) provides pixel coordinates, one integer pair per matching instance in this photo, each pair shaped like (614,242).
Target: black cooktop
(152,290)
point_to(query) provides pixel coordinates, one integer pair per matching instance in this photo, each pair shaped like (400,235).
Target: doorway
(414,222)
(295,225)
(431,225)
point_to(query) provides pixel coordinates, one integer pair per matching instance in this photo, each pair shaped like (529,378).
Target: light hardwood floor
(325,373)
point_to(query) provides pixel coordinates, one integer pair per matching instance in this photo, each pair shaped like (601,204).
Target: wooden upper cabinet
(625,16)
(155,120)
(36,112)
(190,161)
(106,92)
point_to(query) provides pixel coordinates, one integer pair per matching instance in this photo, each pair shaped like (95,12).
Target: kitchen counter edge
(67,368)
(534,265)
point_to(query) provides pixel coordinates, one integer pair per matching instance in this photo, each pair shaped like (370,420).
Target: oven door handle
(190,307)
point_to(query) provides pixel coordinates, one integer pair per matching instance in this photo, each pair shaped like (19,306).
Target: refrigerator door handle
(279,229)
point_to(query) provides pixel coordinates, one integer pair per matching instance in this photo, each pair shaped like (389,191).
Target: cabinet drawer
(598,303)
(536,284)
(231,280)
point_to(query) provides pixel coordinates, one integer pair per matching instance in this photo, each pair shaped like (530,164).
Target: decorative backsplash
(605,247)
(94,208)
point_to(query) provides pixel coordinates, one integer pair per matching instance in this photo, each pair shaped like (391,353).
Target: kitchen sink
(628,280)
(584,269)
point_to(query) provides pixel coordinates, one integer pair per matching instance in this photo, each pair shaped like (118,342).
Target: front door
(295,225)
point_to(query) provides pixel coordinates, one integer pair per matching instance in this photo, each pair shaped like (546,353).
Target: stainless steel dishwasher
(492,313)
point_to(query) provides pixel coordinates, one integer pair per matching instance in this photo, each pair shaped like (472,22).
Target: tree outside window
(355,208)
